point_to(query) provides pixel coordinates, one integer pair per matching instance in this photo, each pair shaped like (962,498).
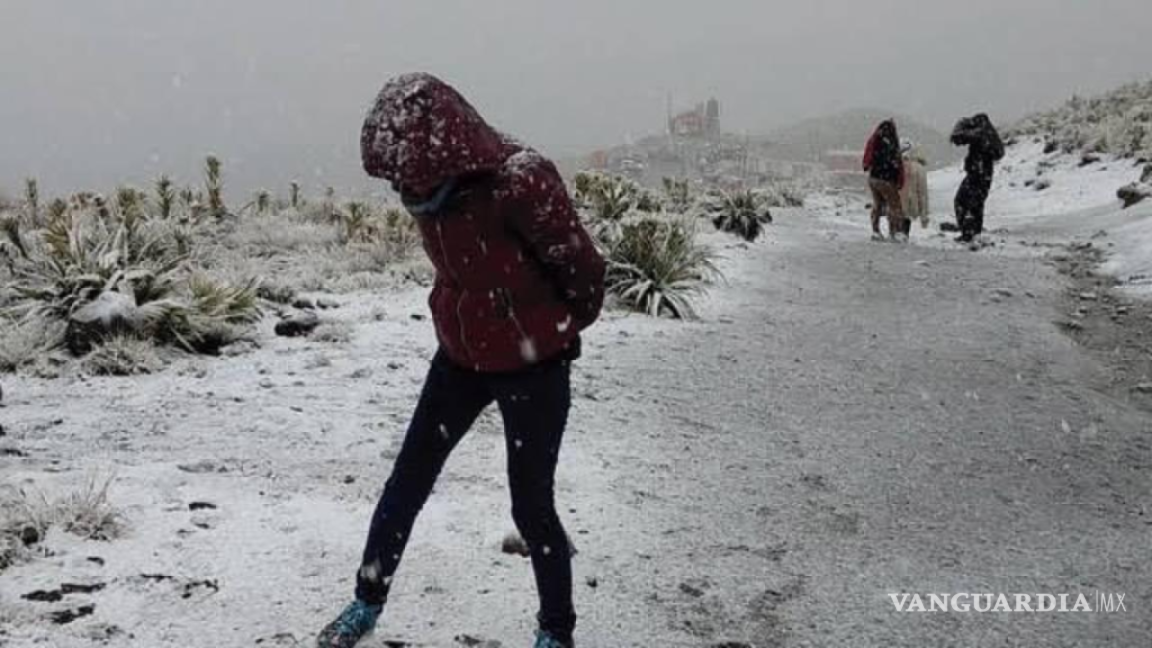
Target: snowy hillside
(1059,194)
(1118,123)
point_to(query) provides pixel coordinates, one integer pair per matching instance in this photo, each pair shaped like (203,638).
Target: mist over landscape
(803,324)
(95,94)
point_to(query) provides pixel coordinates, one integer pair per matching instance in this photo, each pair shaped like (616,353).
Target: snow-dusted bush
(113,267)
(743,213)
(678,195)
(24,342)
(27,516)
(122,355)
(282,233)
(1118,123)
(610,198)
(656,266)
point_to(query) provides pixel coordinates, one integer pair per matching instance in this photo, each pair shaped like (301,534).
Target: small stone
(298,325)
(418,317)
(30,535)
(1143,388)
(1089,296)
(691,590)
(592,582)
(267,384)
(202,467)
(349,479)
(515,545)
(201,506)
(63,617)
(327,304)
(303,303)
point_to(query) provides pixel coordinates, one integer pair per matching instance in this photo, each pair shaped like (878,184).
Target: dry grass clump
(27,515)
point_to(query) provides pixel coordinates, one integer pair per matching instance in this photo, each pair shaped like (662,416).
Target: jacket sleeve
(543,216)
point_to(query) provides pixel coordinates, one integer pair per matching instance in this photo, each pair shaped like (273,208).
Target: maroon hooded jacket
(517,276)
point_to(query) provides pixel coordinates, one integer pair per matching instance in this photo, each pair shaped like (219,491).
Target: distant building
(703,120)
(846,167)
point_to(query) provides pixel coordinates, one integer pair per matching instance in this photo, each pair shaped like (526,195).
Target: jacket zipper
(463,290)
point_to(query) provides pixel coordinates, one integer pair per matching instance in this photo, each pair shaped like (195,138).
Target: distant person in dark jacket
(985,149)
(885,166)
(517,279)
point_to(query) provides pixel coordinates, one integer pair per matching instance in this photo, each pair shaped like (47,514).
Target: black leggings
(534,404)
(970,201)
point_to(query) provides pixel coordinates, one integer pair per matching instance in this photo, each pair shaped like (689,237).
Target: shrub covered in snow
(98,268)
(27,516)
(610,198)
(678,195)
(656,266)
(743,213)
(1118,123)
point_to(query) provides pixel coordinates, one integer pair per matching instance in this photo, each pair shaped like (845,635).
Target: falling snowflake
(528,350)
(371,571)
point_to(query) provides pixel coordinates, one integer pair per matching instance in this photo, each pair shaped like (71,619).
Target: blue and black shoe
(545,639)
(354,623)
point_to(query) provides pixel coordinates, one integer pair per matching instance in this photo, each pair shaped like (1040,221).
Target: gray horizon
(120,91)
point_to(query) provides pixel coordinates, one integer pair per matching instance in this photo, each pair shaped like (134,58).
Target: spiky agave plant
(130,205)
(613,199)
(678,195)
(262,202)
(165,197)
(214,187)
(356,223)
(657,267)
(56,209)
(11,238)
(84,255)
(400,233)
(743,213)
(32,199)
(294,195)
(206,316)
(328,207)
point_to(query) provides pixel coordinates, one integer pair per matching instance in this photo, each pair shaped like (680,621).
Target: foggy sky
(99,92)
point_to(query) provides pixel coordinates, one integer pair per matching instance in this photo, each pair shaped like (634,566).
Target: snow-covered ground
(846,420)
(1077,202)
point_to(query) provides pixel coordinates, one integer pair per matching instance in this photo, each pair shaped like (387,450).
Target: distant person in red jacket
(517,280)
(885,166)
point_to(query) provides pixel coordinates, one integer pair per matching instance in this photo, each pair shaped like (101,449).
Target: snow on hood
(421,131)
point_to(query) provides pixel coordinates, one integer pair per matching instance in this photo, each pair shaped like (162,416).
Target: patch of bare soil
(1114,327)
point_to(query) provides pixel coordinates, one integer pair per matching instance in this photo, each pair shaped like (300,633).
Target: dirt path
(849,419)
(868,418)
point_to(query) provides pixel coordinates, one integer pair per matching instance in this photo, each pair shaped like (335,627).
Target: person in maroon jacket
(885,166)
(517,279)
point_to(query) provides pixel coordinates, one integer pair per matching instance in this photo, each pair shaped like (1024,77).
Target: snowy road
(848,420)
(863,419)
